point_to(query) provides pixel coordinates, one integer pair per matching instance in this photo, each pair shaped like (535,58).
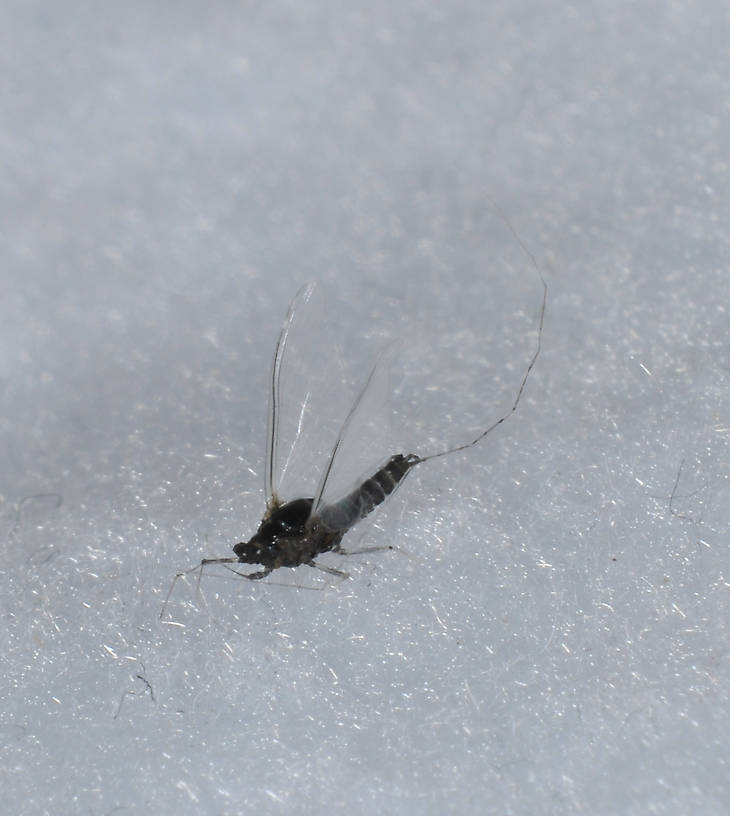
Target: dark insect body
(289,535)
(295,532)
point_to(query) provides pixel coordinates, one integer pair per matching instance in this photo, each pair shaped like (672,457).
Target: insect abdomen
(373,491)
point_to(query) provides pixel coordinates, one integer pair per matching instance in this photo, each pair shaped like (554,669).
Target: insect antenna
(530,366)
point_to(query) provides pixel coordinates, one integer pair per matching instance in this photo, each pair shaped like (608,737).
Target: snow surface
(550,635)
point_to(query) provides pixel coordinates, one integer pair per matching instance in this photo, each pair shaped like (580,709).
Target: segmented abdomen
(364,499)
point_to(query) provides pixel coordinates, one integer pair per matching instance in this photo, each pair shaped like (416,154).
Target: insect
(295,532)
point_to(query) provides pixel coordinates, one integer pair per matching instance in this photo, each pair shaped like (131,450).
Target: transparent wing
(308,398)
(363,444)
(310,407)
(274,466)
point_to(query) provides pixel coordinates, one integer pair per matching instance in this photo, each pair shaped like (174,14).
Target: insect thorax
(287,538)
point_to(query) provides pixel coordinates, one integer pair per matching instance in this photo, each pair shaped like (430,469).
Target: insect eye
(248,553)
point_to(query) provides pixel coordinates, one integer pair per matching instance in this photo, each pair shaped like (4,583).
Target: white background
(550,636)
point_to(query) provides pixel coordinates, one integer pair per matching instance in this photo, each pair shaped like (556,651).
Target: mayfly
(295,532)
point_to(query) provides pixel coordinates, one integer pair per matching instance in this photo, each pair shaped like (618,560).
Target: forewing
(307,400)
(279,442)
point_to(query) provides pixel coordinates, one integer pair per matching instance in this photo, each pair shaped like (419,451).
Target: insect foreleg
(197,568)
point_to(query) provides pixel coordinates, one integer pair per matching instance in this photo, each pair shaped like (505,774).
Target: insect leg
(329,570)
(197,568)
(384,548)
(252,576)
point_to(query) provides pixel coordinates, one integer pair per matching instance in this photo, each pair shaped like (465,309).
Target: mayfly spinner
(295,532)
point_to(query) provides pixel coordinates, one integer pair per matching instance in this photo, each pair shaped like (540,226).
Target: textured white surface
(552,638)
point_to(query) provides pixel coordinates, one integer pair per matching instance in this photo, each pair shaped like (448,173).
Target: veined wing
(307,399)
(361,446)
(274,466)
